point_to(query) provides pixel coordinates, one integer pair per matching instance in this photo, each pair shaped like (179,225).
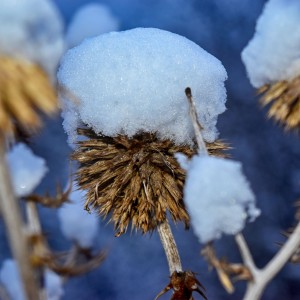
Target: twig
(246,254)
(14,225)
(264,276)
(169,245)
(197,127)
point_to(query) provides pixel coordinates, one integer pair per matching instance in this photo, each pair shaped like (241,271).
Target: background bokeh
(136,267)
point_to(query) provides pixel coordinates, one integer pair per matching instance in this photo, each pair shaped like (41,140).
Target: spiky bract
(283,98)
(136,179)
(24,90)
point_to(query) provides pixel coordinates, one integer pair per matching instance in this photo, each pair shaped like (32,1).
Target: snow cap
(134,81)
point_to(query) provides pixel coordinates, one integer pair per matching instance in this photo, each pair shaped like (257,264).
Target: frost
(26,169)
(77,224)
(273,54)
(91,20)
(32,30)
(218,197)
(132,81)
(10,278)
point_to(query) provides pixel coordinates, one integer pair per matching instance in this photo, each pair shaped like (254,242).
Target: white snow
(218,197)
(90,20)
(32,30)
(132,81)
(77,224)
(26,169)
(10,278)
(273,54)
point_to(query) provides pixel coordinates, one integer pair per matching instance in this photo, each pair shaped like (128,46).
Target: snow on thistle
(91,20)
(31,44)
(27,170)
(218,197)
(131,107)
(76,224)
(272,60)
(32,30)
(10,278)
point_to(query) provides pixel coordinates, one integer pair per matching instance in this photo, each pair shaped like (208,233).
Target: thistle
(283,99)
(134,180)
(25,90)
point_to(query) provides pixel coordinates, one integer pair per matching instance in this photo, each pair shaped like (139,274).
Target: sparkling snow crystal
(218,197)
(91,20)
(132,81)
(10,278)
(76,223)
(27,170)
(32,30)
(274,52)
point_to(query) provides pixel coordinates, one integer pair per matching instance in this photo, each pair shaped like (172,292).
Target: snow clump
(273,54)
(134,81)
(218,197)
(10,278)
(26,169)
(91,20)
(77,224)
(32,30)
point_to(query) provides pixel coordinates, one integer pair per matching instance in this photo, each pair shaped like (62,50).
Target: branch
(169,245)
(246,254)
(14,225)
(264,276)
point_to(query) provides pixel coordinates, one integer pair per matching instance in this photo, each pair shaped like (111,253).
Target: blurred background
(136,267)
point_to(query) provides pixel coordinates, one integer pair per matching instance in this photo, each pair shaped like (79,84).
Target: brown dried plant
(227,272)
(283,99)
(137,180)
(183,284)
(25,90)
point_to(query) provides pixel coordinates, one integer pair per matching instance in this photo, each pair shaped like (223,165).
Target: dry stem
(14,225)
(169,245)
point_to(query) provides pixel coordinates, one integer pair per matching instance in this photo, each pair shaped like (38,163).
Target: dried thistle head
(283,99)
(134,180)
(183,284)
(24,91)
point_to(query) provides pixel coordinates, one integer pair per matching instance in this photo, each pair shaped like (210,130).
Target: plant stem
(197,127)
(169,245)
(264,276)
(11,214)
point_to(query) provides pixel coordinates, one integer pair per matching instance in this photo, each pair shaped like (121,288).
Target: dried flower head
(283,98)
(24,90)
(183,285)
(136,179)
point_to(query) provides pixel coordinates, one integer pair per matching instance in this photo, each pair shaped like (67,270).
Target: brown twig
(14,225)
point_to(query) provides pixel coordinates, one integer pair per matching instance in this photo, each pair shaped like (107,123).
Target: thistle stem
(169,245)
(11,214)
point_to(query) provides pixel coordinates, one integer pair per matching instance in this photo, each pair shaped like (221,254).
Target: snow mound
(10,278)
(273,54)
(91,20)
(218,197)
(26,169)
(134,81)
(77,224)
(32,30)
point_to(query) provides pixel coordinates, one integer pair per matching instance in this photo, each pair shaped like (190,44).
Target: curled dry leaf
(183,285)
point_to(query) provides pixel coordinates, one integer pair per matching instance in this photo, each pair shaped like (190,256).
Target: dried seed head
(24,90)
(283,98)
(134,180)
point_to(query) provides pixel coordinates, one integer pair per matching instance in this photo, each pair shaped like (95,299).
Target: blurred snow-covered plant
(272,60)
